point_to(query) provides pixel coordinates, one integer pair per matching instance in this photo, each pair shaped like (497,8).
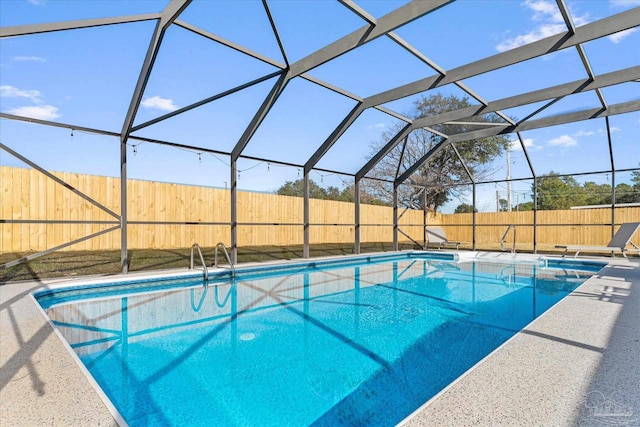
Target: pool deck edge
(40,382)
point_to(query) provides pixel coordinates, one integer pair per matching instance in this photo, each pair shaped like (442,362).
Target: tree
(348,193)
(555,192)
(597,194)
(465,208)
(443,170)
(296,188)
(526,206)
(626,193)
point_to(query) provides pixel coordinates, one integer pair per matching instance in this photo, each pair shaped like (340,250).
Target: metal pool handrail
(226,254)
(204,264)
(504,238)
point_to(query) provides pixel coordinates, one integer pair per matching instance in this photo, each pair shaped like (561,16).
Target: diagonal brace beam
(260,115)
(205,101)
(59,181)
(23,30)
(57,248)
(167,16)
(595,30)
(577,86)
(335,135)
(383,152)
(399,17)
(625,107)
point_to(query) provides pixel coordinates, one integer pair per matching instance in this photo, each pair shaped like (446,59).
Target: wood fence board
(42,209)
(4,205)
(53,230)
(23,206)
(6,181)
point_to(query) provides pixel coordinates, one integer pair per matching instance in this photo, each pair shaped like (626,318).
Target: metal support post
(535,215)
(613,179)
(395,217)
(473,216)
(124,255)
(234,210)
(424,217)
(356,196)
(305,248)
(613,203)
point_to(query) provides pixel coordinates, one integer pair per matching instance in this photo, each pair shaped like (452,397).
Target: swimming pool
(361,341)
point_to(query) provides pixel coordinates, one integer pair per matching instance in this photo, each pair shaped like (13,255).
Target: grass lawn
(80,263)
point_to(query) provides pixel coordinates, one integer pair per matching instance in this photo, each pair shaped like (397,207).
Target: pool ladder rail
(221,245)
(204,264)
(504,239)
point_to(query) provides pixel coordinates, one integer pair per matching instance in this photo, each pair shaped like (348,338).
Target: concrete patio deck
(578,364)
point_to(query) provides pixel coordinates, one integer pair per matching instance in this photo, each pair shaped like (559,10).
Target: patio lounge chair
(617,244)
(436,236)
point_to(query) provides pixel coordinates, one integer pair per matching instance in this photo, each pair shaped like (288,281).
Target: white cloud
(583,133)
(544,10)
(537,34)
(548,14)
(618,37)
(515,144)
(376,126)
(581,20)
(37,2)
(624,3)
(13,92)
(159,103)
(615,129)
(29,58)
(563,140)
(42,112)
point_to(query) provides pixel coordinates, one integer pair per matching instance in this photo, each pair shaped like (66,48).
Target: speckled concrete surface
(578,364)
(40,383)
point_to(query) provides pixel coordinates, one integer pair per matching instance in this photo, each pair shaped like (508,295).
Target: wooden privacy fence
(165,215)
(575,226)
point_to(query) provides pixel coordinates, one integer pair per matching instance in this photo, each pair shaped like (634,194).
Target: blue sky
(86,77)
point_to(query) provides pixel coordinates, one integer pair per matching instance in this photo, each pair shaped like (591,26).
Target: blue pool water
(362,342)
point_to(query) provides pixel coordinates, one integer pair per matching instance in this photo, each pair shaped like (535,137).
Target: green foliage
(465,208)
(444,169)
(296,189)
(596,194)
(527,206)
(555,192)
(626,193)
